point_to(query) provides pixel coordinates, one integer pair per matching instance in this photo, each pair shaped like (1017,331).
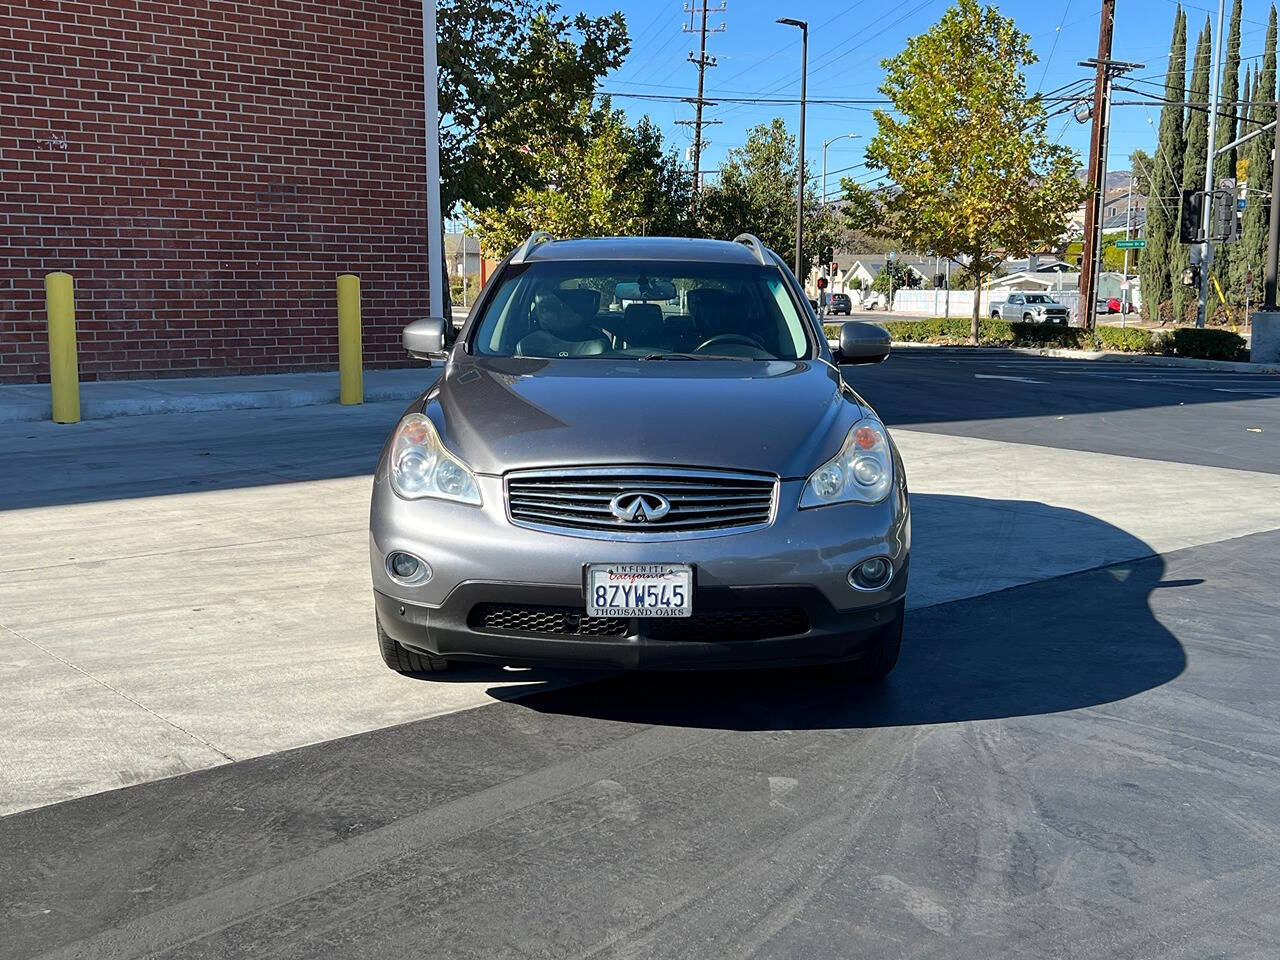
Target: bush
(1178,342)
(1203,344)
(1126,339)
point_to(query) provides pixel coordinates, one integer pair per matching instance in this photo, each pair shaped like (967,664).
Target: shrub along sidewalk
(1177,342)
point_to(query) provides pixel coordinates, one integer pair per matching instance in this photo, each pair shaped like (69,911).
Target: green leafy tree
(1165,174)
(904,278)
(1224,164)
(1253,241)
(609,179)
(975,172)
(512,75)
(1197,151)
(756,194)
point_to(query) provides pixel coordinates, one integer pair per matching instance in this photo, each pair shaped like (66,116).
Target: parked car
(1031,308)
(840,305)
(641,453)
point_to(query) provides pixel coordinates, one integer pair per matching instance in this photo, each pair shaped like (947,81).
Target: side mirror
(425,339)
(862,343)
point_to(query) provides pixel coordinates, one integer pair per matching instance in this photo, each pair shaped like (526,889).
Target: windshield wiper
(691,356)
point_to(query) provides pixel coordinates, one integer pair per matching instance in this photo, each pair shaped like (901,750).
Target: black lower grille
(568,621)
(721,626)
(707,626)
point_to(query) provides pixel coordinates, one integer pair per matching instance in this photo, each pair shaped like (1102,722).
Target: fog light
(406,568)
(871,574)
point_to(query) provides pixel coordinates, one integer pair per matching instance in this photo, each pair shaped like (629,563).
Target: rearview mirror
(862,343)
(425,339)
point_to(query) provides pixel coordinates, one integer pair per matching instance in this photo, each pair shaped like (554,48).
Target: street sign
(1131,244)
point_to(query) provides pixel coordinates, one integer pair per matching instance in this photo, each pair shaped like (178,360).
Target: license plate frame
(631,575)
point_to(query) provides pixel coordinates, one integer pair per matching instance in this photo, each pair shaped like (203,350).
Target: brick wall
(204,170)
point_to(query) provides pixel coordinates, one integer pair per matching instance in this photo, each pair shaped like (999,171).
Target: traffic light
(827,254)
(822,283)
(1191,276)
(939,281)
(1226,224)
(1189,216)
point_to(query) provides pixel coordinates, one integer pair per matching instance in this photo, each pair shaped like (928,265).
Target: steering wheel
(744,339)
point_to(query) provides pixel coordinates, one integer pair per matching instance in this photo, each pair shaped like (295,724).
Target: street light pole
(804,70)
(825,144)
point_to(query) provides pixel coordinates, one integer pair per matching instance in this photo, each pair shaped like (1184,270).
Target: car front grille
(705,626)
(712,626)
(519,618)
(580,501)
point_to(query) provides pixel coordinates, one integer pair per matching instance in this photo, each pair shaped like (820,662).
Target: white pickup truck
(1031,308)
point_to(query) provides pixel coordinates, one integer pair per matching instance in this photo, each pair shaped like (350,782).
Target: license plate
(639,590)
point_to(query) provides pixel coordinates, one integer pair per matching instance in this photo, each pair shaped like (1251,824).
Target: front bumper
(799,563)
(708,639)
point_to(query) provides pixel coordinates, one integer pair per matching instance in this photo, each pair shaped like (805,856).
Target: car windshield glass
(1040,298)
(587,309)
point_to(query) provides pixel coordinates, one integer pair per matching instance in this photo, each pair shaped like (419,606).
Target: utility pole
(702,62)
(1099,141)
(1097,164)
(1206,245)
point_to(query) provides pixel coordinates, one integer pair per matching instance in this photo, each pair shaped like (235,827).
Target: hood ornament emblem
(639,507)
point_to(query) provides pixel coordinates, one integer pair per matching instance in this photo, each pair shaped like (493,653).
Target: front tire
(882,652)
(995,314)
(406,661)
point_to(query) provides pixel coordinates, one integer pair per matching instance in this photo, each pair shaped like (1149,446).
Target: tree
(757,194)
(975,172)
(904,278)
(1165,171)
(608,179)
(1224,164)
(1197,151)
(1140,169)
(1253,242)
(512,75)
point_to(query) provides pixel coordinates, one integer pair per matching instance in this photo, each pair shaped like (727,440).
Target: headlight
(861,472)
(422,467)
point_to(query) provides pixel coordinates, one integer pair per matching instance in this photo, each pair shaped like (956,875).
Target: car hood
(783,417)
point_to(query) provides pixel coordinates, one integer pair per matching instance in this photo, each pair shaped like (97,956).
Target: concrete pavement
(1076,755)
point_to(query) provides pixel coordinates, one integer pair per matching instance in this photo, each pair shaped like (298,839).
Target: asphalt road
(1072,765)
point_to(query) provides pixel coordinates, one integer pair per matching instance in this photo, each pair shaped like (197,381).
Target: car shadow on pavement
(1062,643)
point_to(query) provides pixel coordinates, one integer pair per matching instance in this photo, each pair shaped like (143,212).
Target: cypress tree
(1224,164)
(1197,151)
(1165,179)
(1239,262)
(1253,242)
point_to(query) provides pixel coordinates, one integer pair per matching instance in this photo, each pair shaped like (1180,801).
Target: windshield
(644,309)
(1040,298)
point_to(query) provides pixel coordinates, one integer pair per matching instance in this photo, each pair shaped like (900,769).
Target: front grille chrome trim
(705,503)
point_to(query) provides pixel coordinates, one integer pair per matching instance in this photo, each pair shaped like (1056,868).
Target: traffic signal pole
(1273,233)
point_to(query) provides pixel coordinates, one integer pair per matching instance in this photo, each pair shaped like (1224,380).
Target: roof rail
(526,248)
(752,241)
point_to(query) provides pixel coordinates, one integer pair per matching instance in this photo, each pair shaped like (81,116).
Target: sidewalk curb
(1104,356)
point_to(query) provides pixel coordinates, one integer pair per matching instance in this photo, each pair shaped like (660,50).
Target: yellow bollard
(350,352)
(64,374)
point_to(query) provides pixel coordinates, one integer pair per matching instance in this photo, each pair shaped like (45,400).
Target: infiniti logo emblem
(633,507)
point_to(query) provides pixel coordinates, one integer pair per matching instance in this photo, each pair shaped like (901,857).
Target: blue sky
(847,41)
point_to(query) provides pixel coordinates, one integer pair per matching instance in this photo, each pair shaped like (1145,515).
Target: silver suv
(641,453)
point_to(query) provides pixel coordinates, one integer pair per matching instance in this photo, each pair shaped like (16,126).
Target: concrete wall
(204,170)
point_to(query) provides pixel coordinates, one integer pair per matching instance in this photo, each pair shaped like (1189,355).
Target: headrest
(642,324)
(556,317)
(583,301)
